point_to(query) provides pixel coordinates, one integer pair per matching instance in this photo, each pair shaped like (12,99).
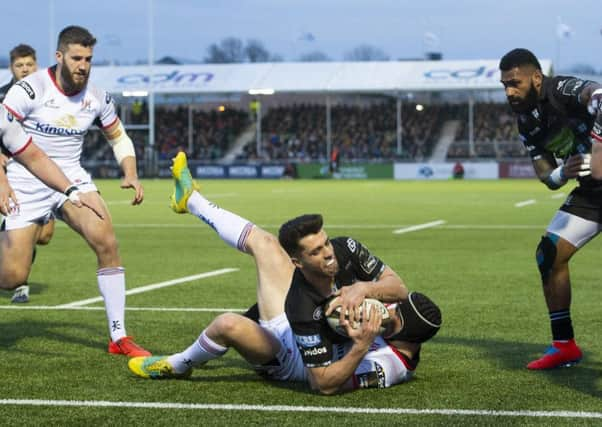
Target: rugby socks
(231,228)
(562,327)
(200,352)
(111,282)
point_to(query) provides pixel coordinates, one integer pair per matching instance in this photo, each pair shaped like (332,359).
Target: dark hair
(21,51)
(297,228)
(518,58)
(74,35)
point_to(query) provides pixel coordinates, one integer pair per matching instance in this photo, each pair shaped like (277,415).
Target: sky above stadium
(566,32)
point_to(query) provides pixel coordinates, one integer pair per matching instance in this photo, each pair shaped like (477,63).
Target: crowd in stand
(495,133)
(297,132)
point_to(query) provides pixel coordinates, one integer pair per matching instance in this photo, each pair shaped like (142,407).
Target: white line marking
(154,286)
(339,226)
(159,309)
(525,203)
(418,227)
(290,408)
(557,196)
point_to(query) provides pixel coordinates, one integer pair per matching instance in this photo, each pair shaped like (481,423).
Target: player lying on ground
(266,339)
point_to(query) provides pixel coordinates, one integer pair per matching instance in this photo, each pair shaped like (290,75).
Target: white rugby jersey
(13,137)
(57,121)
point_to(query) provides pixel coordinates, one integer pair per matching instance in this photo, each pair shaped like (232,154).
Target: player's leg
(274,268)
(257,345)
(100,236)
(21,293)
(16,248)
(565,235)
(46,233)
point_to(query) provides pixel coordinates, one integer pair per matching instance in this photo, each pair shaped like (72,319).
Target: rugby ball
(333,318)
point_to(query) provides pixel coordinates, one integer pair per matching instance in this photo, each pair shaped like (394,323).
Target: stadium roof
(305,77)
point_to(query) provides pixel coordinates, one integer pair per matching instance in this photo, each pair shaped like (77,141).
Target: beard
(70,84)
(527,103)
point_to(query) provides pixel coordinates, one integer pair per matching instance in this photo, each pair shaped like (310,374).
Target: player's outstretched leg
(230,227)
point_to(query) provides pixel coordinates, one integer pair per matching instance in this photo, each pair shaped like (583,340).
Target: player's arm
(338,376)
(7,195)
(376,280)
(123,149)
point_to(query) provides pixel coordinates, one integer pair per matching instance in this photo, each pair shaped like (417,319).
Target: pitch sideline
(290,408)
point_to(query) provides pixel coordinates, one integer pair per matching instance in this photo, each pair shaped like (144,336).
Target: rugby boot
(127,347)
(21,295)
(183,183)
(155,368)
(558,355)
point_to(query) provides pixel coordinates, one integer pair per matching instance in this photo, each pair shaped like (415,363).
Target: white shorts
(574,229)
(39,203)
(290,365)
(382,367)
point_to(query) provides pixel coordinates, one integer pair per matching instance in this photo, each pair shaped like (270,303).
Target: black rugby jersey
(318,344)
(559,125)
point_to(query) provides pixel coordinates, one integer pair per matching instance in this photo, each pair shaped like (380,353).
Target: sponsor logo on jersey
(308,340)
(55,130)
(27,88)
(315,351)
(535,113)
(318,313)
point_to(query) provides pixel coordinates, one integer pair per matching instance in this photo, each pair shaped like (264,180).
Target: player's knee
(106,246)
(13,276)
(44,238)
(226,326)
(546,256)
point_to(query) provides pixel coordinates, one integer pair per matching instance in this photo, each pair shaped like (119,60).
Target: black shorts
(584,203)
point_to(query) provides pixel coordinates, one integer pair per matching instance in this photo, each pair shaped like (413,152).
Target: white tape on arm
(122,145)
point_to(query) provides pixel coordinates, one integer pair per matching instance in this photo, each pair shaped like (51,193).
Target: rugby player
(263,336)
(57,106)
(22,63)
(558,119)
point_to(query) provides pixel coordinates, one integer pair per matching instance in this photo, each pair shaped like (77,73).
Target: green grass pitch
(479,266)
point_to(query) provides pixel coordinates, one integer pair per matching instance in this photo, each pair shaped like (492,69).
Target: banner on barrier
(437,171)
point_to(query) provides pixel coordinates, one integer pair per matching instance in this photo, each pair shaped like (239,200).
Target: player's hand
(89,200)
(368,330)
(7,195)
(577,165)
(350,298)
(137,186)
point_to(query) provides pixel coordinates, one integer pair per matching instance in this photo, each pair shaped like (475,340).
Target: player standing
(557,120)
(22,63)
(57,106)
